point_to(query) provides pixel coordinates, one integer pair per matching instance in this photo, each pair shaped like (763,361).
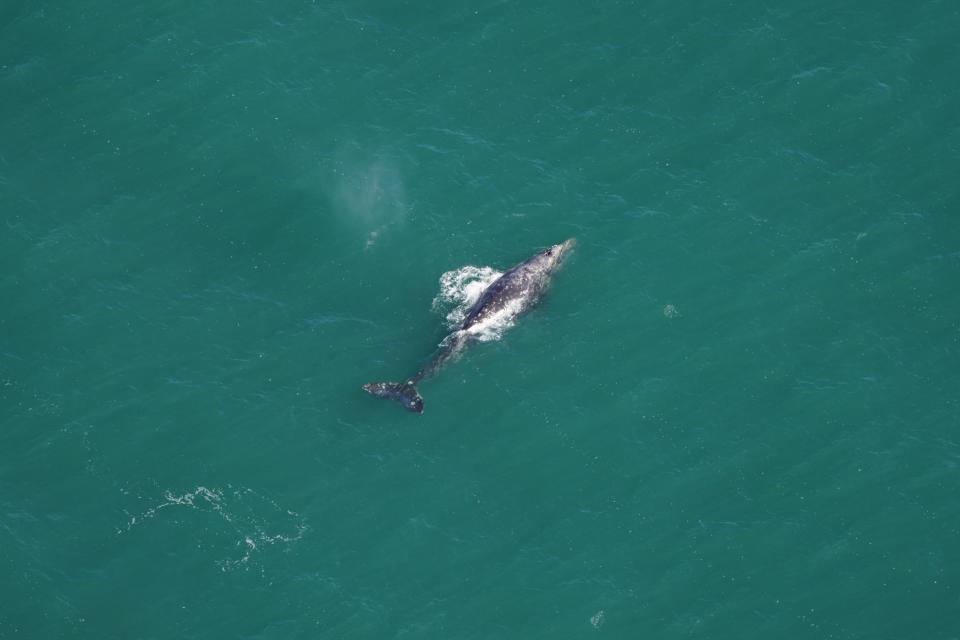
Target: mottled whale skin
(513,293)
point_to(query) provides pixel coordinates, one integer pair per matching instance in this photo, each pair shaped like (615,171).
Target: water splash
(460,289)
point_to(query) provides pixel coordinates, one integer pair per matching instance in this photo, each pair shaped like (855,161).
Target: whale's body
(513,293)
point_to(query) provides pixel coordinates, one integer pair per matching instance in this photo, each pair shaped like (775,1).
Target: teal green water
(736,415)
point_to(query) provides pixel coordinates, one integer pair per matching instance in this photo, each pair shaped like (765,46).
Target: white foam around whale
(460,289)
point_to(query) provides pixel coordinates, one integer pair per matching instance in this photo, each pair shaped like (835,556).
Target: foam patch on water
(598,619)
(251,520)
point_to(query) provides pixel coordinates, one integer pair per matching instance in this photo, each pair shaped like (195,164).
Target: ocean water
(735,415)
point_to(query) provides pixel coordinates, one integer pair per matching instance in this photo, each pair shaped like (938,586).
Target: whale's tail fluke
(403,392)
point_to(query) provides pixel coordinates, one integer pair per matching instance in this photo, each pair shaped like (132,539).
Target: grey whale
(514,292)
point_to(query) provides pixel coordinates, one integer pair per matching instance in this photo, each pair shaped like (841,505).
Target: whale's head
(553,257)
